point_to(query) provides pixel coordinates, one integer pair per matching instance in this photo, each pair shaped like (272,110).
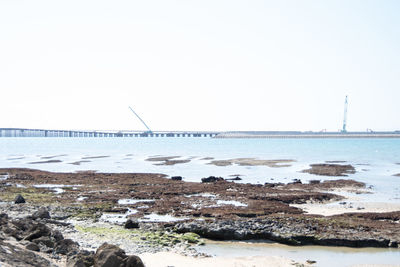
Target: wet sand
(163,259)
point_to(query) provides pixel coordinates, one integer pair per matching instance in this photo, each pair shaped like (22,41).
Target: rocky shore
(34,240)
(149,213)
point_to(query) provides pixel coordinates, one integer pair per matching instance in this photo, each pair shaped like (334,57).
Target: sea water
(376,160)
(324,256)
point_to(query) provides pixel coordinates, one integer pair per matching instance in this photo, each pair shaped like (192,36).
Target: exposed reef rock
(226,210)
(298,230)
(211,179)
(253,162)
(330,169)
(168,160)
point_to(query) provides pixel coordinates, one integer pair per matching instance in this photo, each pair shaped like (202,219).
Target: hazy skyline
(200,65)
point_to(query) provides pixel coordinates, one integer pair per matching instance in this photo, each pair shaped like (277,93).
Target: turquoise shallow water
(324,256)
(376,160)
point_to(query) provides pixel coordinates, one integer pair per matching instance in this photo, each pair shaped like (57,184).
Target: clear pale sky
(200,65)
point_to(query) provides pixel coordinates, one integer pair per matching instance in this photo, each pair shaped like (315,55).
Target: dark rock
(33,247)
(66,247)
(131,224)
(237,178)
(22,224)
(42,213)
(108,255)
(19,199)
(36,231)
(45,240)
(11,255)
(176,178)
(315,181)
(82,257)
(12,231)
(57,235)
(3,218)
(133,261)
(211,179)
(273,184)
(296,181)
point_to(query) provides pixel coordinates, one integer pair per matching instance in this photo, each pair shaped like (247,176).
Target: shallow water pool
(324,256)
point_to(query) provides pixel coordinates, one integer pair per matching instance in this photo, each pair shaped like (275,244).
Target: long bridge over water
(22,132)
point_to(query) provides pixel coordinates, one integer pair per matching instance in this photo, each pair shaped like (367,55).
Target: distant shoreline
(395,134)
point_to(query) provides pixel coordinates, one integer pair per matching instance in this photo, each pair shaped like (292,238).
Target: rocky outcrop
(326,169)
(17,256)
(35,238)
(66,247)
(81,259)
(292,231)
(108,255)
(33,234)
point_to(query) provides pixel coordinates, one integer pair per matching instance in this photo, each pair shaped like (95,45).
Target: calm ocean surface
(376,160)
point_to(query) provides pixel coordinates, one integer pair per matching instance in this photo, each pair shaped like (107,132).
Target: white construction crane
(148,129)
(345,116)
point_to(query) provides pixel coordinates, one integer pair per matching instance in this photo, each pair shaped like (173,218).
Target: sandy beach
(163,259)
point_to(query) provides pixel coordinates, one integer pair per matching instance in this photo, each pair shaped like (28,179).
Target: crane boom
(345,116)
(149,131)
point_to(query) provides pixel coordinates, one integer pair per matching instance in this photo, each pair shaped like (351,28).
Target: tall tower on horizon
(345,116)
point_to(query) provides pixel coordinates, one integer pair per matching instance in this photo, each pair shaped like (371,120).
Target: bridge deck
(21,132)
